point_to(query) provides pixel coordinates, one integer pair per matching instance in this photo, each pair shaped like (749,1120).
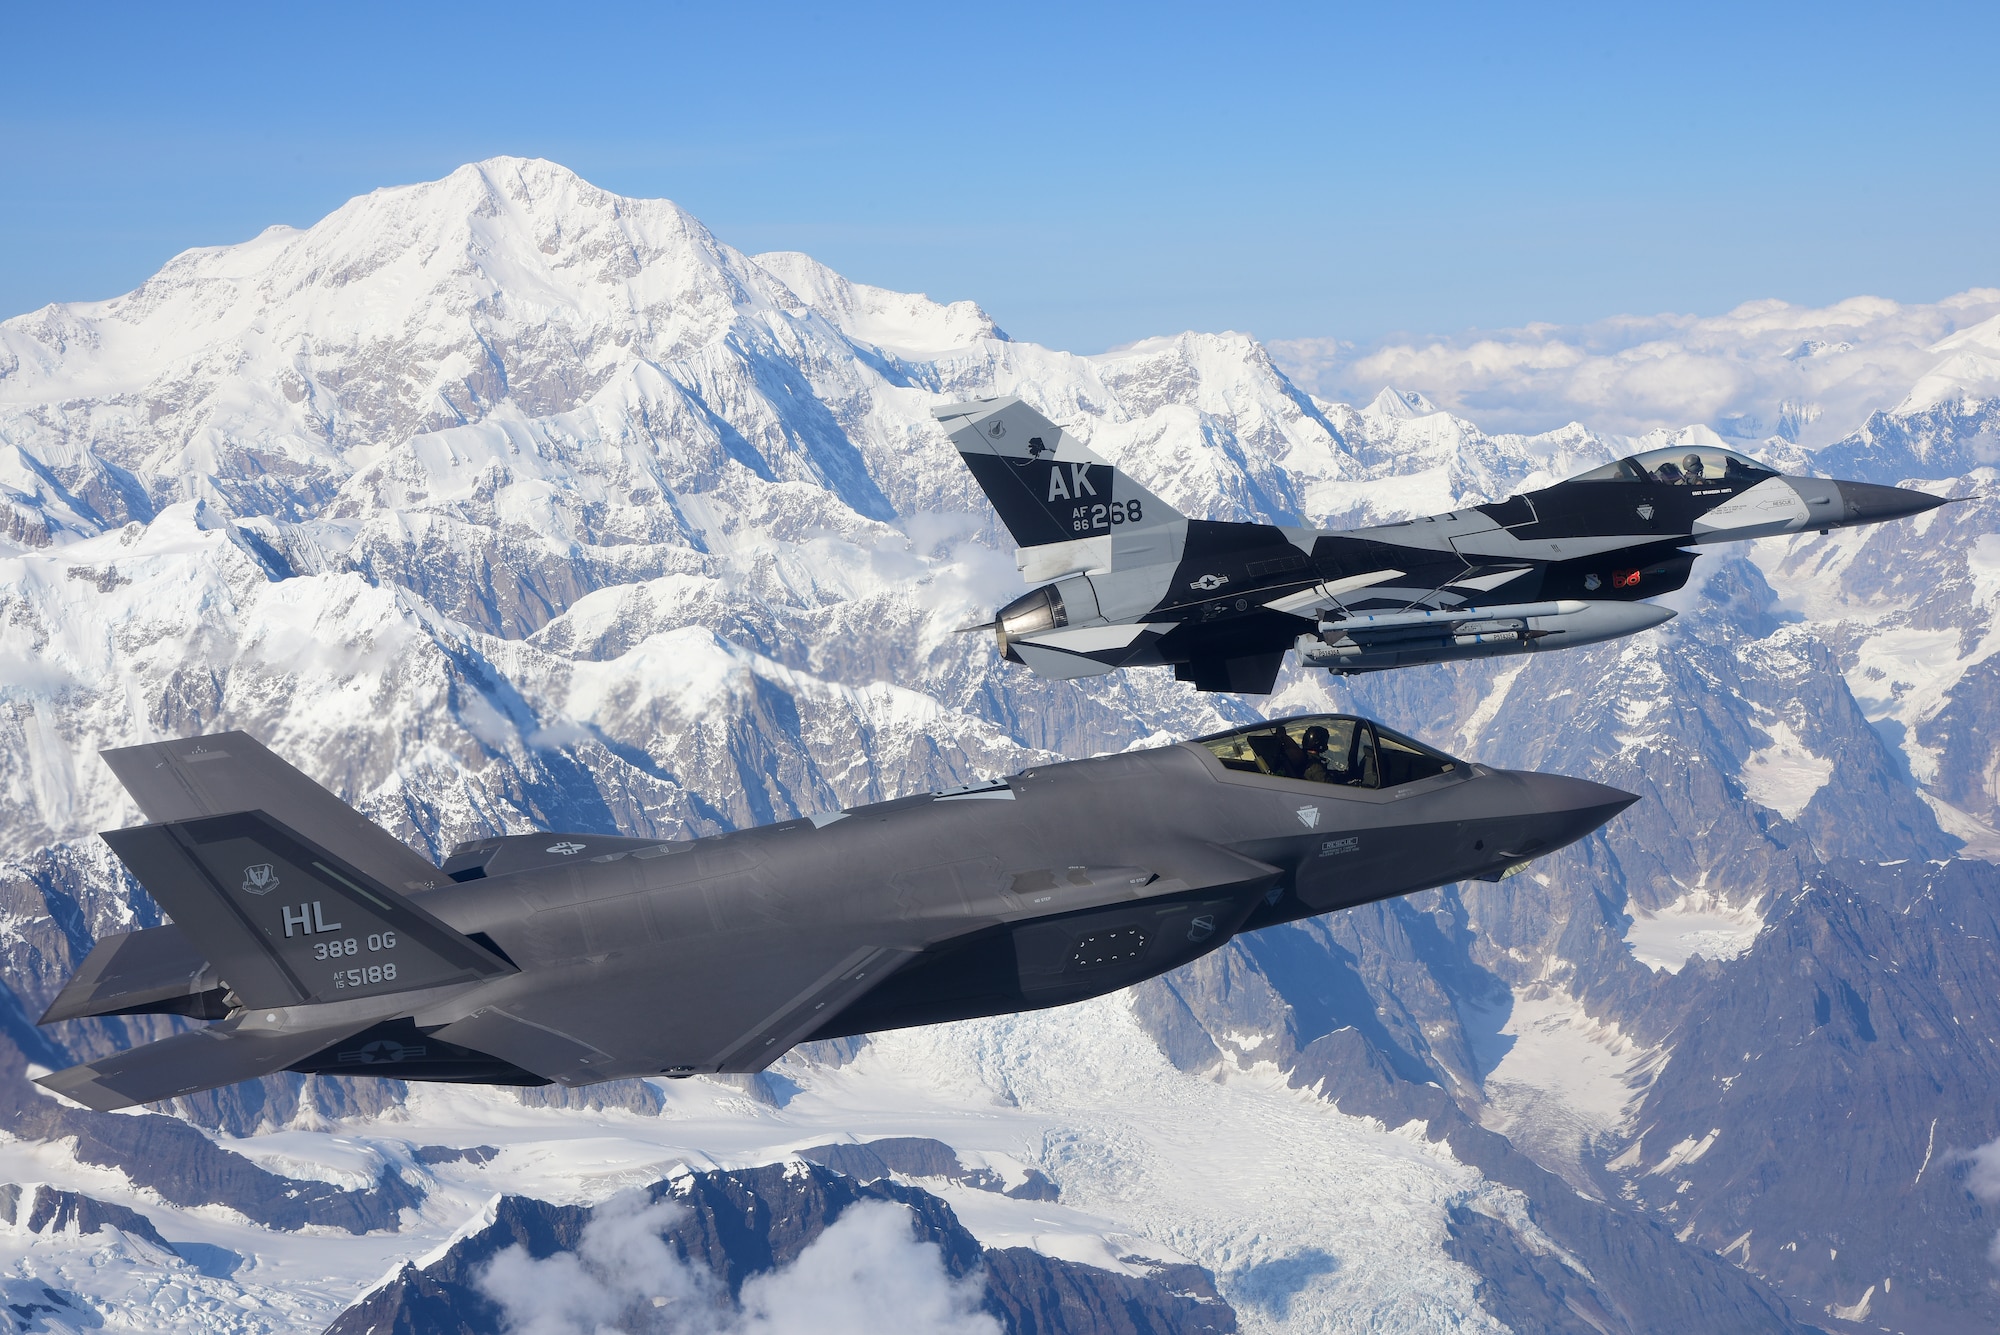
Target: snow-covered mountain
(501,502)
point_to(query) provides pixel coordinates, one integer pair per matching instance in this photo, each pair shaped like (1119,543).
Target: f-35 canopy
(1330,748)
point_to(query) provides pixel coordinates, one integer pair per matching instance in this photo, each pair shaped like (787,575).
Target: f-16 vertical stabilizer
(1067,508)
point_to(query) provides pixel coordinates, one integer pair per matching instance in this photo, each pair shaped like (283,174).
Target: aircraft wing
(738,1007)
(1326,595)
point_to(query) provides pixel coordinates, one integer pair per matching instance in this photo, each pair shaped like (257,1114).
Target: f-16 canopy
(1689,466)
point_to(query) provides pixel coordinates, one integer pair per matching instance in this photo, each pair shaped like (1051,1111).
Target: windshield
(1681,465)
(1329,748)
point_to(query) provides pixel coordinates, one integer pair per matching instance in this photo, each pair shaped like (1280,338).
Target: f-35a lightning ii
(1133,582)
(317,942)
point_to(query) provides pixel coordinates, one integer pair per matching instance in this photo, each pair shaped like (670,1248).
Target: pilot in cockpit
(1692,473)
(1315,758)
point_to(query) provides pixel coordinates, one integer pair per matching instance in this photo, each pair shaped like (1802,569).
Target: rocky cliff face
(723,1231)
(500,502)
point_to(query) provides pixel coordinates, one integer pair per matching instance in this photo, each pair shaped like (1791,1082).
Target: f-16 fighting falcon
(318,942)
(1132,582)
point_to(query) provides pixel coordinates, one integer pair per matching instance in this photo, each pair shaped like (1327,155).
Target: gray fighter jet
(1132,582)
(315,941)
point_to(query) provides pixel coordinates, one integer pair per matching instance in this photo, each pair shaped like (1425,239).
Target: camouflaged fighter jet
(317,942)
(1132,582)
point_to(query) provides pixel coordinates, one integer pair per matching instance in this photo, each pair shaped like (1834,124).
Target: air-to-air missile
(315,941)
(1127,581)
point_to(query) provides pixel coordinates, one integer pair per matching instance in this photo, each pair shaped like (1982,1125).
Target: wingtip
(79,1085)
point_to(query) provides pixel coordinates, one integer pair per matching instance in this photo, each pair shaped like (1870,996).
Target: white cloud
(866,1267)
(1983,1182)
(1766,368)
(623,1279)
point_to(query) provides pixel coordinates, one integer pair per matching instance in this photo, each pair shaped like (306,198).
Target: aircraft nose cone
(1870,503)
(1564,810)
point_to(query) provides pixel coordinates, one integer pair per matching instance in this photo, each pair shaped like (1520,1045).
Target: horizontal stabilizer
(286,920)
(1089,651)
(221,1054)
(155,970)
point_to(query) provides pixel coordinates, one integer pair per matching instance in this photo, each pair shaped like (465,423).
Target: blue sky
(1090,175)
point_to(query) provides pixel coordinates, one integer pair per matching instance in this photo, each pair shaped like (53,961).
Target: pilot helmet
(1315,738)
(1691,466)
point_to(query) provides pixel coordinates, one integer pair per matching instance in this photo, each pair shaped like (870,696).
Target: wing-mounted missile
(1374,641)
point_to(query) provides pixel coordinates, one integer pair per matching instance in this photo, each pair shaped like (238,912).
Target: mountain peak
(1392,402)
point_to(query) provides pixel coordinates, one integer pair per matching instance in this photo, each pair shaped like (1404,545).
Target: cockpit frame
(1671,465)
(1355,757)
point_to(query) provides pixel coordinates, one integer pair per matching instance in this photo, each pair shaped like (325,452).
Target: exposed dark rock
(919,1156)
(1527,1289)
(1356,1019)
(30,1303)
(749,1222)
(1813,1121)
(1033,1294)
(478,1154)
(1036,1186)
(277,1100)
(45,1209)
(634,1096)
(187,1169)
(1633,1267)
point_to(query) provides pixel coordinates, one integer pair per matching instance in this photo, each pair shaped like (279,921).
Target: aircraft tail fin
(1047,486)
(232,771)
(287,921)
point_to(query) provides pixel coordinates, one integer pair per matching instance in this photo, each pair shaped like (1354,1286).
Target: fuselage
(1064,882)
(1553,568)
(317,942)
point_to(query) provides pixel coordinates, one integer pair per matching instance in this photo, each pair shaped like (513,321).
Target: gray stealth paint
(629,958)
